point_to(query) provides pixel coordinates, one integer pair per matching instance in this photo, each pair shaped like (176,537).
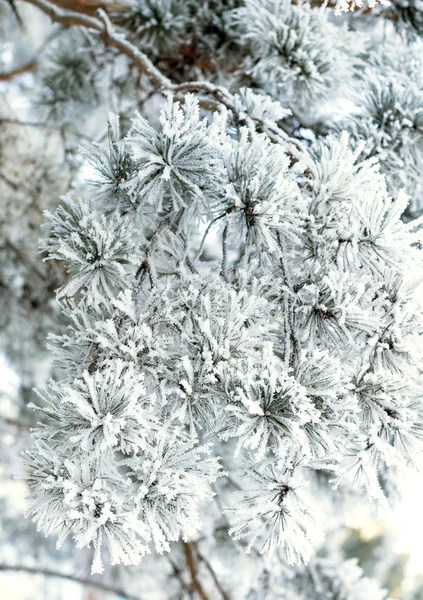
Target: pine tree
(232,300)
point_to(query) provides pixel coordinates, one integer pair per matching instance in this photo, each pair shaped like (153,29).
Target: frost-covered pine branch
(287,350)
(236,332)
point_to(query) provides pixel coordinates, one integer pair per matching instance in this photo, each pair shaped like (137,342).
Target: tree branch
(83,581)
(15,423)
(27,68)
(109,35)
(115,39)
(88,7)
(223,96)
(213,574)
(24,259)
(14,186)
(8,121)
(192,567)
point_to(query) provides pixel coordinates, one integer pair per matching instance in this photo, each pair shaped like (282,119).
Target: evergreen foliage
(303,364)
(233,304)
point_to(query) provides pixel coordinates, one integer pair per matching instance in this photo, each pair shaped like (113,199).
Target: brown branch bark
(192,567)
(81,580)
(27,68)
(87,7)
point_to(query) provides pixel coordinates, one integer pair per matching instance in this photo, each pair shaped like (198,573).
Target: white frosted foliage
(285,349)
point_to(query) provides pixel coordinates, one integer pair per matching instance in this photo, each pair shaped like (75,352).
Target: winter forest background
(211,299)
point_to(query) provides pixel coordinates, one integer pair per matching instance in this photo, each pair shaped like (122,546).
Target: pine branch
(117,40)
(82,580)
(223,96)
(109,35)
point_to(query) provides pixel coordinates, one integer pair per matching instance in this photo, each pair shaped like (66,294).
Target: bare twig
(9,182)
(82,580)
(209,226)
(31,65)
(88,7)
(26,260)
(213,574)
(15,12)
(27,68)
(192,567)
(18,123)
(15,423)
(176,572)
(291,345)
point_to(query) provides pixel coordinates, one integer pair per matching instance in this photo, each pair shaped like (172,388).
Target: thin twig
(213,574)
(24,259)
(27,68)
(15,423)
(209,226)
(291,346)
(82,580)
(177,573)
(9,182)
(15,12)
(31,65)
(224,251)
(25,123)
